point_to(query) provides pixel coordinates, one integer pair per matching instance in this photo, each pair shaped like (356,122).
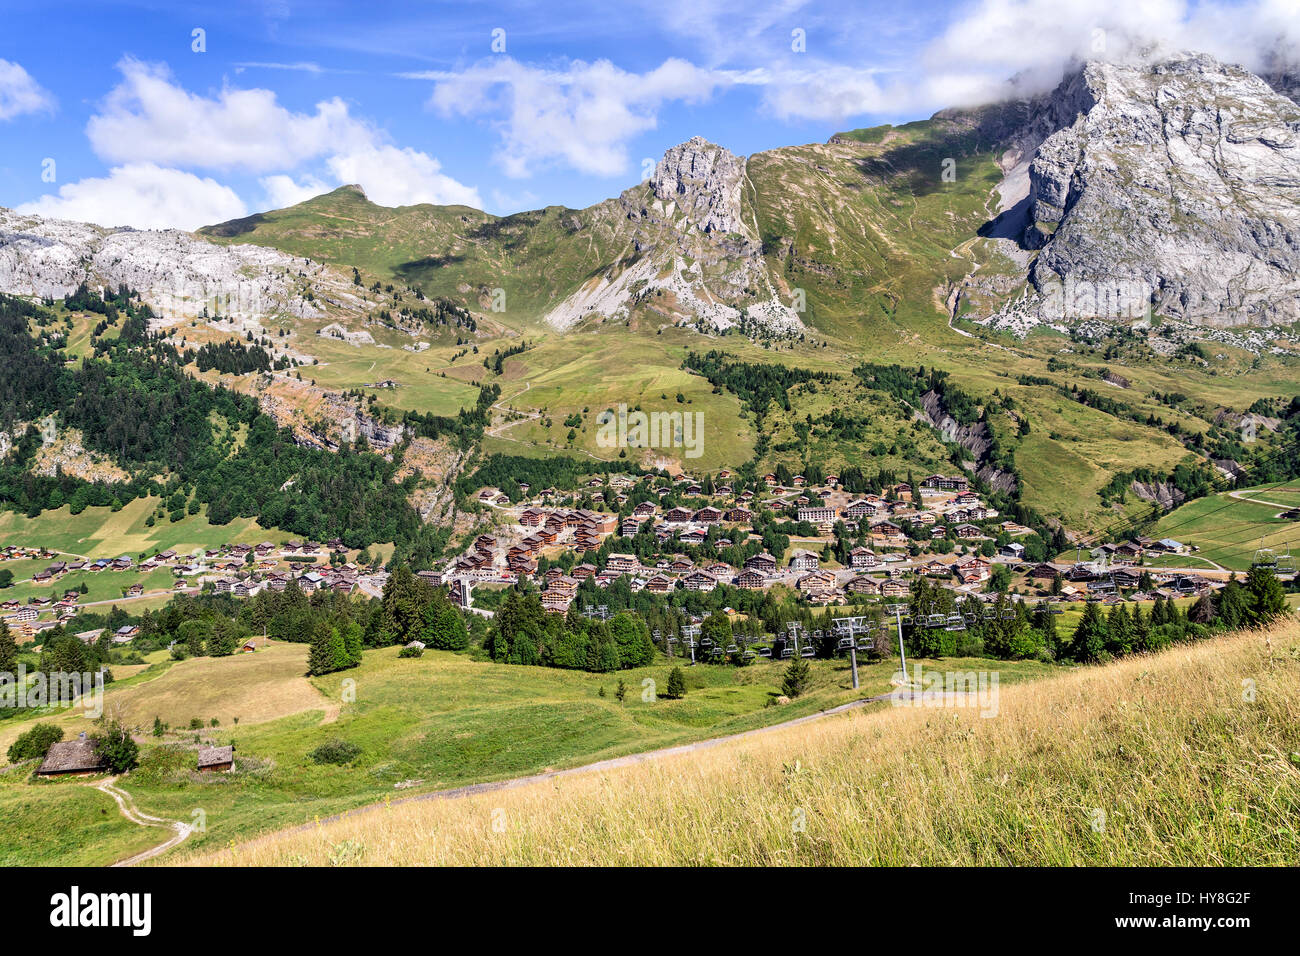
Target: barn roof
(214,756)
(71,756)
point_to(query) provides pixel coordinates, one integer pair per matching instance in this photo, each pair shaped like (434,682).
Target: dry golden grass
(254,688)
(1164,760)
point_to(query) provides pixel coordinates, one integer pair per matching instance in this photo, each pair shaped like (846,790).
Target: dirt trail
(137,816)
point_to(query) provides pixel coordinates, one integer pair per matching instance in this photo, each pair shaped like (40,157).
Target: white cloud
(401,177)
(19,93)
(142,195)
(148,117)
(976,58)
(582,116)
(282,190)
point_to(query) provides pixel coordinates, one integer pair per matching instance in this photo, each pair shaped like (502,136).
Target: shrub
(335,752)
(676,684)
(115,745)
(411,652)
(35,743)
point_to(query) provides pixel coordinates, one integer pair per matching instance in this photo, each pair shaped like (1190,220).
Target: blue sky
(109,113)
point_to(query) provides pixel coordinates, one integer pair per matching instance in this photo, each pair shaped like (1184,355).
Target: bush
(411,652)
(335,752)
(115,745)
(35,743)
(676,684)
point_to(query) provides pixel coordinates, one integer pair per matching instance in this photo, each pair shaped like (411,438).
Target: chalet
(861,585)
(135,590)
(553,574)
(751,580)
(224,585)
(72,758)
(966,499)
(893,588)
(708,515)
(946,483)
(699,581)
(621,563)
(888,532)
(968,531)
(556,602)
(681,565)
(816,583)
(861,557)
(679,516)
(25,614)
(802,560)
(738,516)
(645,509)
(584,571)
(1045,570)
(216,759)
(692,537)
(532,517)
(816,515)
(125,633)
(1014,550)
(1126,579)
(769,479)
(659,584)
(936,569)
(764,563)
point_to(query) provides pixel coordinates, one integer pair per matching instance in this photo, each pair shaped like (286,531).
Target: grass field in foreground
(1155,760)
(440,721)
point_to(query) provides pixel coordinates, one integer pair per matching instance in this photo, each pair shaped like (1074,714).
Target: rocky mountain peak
(1174,184)
(703,181)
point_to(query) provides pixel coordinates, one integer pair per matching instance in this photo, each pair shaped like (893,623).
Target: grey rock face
(176,272)
(704,181)
(1175,185)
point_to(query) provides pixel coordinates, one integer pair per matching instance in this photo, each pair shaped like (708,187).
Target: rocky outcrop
(175,272)
(702,181)
(686,252)
(1174,186)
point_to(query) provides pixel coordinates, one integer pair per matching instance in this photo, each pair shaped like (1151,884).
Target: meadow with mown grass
(1187,757)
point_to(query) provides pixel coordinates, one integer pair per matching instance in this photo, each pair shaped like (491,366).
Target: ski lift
(764,652)
(706,643)
(971,618)
(1264,557)
(990,613)
(935,619)
(733,649)
(807,651)
(1008,614)
(787,653)
(1285,562)
(907,620)
(955,622)
(845,643)
(864,645)
(748,655)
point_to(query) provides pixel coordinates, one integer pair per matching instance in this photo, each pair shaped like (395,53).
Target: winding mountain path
(126,805)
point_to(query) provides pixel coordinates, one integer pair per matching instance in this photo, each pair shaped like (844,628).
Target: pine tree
(320,659)
(1119,631)
(1267,596)
(676,684)
(158,727)
(796,678)
(1234,605)
(621,691)
(1089,641)
(8,654)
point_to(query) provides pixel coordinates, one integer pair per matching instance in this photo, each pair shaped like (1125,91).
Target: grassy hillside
(441,721)
(1155,761)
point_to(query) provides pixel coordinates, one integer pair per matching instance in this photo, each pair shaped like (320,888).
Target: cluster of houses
(940,503)
(240,569)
